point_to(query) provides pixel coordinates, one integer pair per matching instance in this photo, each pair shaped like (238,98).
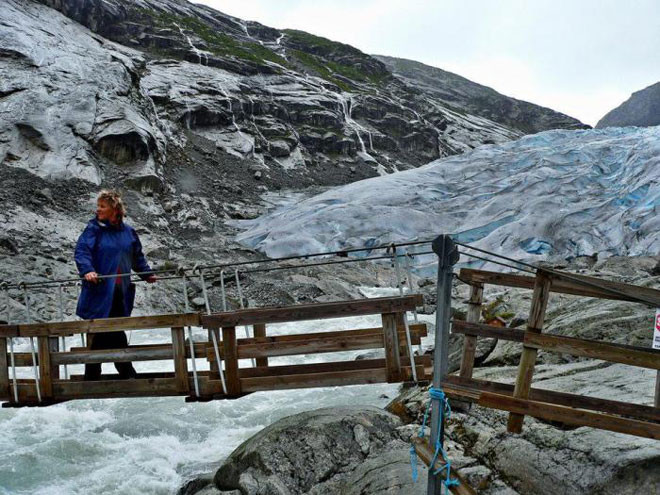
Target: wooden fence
(521,399)
(240,380)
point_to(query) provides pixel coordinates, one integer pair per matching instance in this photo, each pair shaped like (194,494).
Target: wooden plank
(417,330)
(528,357)
(616,353)
(656,401)
(637,411)
(567,415)
(137,387)
(323,379)
(23,359)
(231,361)
(618,290)
(109,325)
(313,345)
(4,369)
(152,352)
(180,363)
(360,364)
(470,341)
(259,330)
(315,311)
(392,347)
(45,368)
(426,454)
(114,355)
(8,331)
(483,330)
(200,348)
(563,285)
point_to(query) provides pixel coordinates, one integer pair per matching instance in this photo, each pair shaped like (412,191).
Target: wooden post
(260,331)
(4,369)
(391,342)
(45,366)
(180,362)
(230,348)
(470,341)
(656,403)
(528,356)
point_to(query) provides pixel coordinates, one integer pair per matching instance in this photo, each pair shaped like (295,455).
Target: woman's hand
(92,277)
(151,279)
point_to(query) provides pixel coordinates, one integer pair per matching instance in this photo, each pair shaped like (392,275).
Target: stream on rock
(153,445)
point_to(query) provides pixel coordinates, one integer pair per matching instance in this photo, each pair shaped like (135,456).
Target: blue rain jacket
(107,249)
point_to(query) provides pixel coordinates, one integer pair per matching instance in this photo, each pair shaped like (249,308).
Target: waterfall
(195,50)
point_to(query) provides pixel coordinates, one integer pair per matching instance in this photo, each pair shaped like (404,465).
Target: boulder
(312,452)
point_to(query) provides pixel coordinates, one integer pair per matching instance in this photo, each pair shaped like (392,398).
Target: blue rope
(439,395)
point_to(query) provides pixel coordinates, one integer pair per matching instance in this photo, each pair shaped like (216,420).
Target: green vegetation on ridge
(216,42)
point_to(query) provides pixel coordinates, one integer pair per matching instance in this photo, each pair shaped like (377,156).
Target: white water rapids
(153,445)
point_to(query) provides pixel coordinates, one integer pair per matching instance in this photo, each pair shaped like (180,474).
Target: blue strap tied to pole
(436,394)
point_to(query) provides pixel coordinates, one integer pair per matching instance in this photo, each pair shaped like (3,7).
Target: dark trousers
(111,340)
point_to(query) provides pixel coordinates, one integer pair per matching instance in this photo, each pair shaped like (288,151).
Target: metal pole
(448,255)
(190,337)
(60,315)
(411,354)
(82,335)
(410,286)
(222,290)
(214,337)
(35,370)
(240,297)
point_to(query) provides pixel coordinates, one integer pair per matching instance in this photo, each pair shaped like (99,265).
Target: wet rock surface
(143,81)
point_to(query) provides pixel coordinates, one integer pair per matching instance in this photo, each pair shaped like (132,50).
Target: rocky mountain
(642,109)
(470,97)
(118,90)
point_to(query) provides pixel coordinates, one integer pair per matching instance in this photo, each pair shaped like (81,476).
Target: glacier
(547,196)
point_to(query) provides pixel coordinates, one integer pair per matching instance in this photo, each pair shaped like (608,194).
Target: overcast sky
(580,57)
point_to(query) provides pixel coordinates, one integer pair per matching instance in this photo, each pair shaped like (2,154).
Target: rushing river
(153,445)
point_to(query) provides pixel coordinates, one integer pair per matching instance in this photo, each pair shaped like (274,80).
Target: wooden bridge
(396,336)
(521,399)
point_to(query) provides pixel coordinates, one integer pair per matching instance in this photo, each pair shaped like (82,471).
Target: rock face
(642,109)
(462,94)
(143,81)
(69,100)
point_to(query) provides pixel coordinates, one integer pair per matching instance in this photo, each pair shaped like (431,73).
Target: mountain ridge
(641,109)
(479,99)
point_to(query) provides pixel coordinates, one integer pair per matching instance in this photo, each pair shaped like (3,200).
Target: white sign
(656,333)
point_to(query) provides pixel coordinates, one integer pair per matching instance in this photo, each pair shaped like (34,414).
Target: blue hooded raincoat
(107,249)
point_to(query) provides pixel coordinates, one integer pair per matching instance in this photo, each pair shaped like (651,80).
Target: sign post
(656,345)
(448,255)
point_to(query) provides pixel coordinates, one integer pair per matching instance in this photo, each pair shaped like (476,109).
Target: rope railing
(179,270)
(198,270)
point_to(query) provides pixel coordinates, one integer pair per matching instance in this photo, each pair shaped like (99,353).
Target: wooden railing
(521,399)
(240,380)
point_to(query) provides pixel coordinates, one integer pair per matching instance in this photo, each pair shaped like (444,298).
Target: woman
(108,246)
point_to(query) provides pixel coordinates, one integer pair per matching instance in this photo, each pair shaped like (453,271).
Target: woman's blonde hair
(113,198)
